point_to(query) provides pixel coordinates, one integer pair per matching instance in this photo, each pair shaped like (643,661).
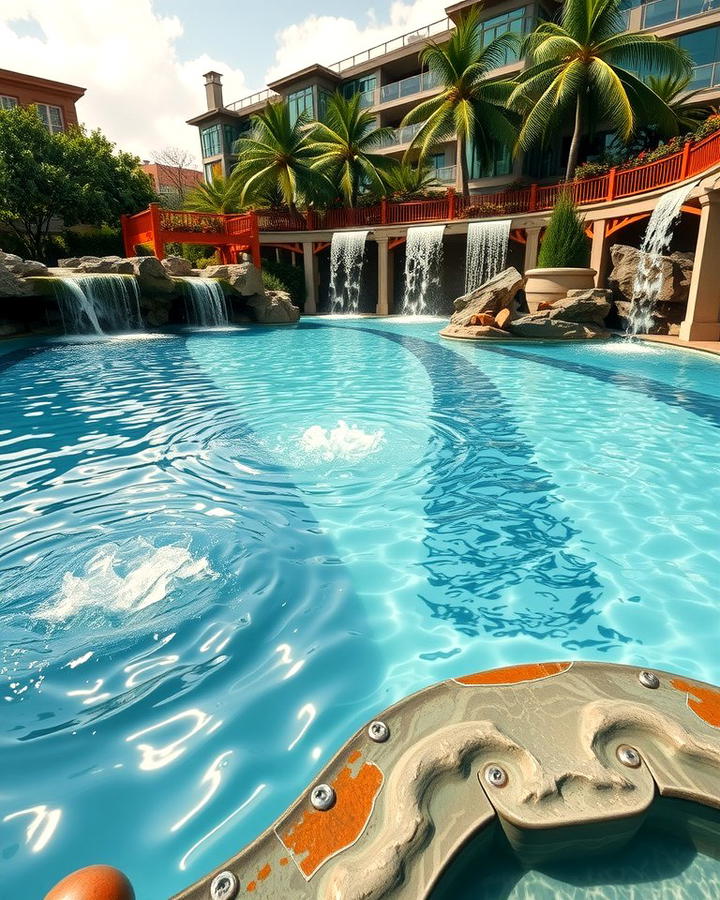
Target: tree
(174,163)
(221,195)
(673,91)
(73,176)
(470,106)
(275,161)
(585,68)
(407,180)
(343,146)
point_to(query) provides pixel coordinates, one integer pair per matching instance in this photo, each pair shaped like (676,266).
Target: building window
(212,171)
(500,162)
(52,117)
(301,103)
(7,102)
(517,21)
(704,47)
(323,99)
(211,140)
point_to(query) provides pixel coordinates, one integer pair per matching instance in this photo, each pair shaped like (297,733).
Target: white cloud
(139,91)
(328,39)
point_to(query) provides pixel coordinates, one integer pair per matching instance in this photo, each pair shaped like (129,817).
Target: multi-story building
(55,100)
(171,182)
(391,80)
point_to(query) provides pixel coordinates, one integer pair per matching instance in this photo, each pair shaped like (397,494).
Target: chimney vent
(213,90)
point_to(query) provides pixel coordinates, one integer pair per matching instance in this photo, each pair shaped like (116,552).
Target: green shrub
(202,262)
(292,278)
(273,283)
(565,244)
(103,241)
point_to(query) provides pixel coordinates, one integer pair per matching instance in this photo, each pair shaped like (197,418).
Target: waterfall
(205,302)
(423,258)
(649,277)
(96,304)
(347,254)
(487,244)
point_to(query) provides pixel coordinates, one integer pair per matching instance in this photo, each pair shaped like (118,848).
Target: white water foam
(487,244)
(205,302)
(423,259)
(649,279)
(153,573)
(347,442)
(347,254)
(96,304)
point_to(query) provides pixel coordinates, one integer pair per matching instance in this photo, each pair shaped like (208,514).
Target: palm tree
(673,91)
(408,179)
(221,195)
(470,106)
(586,67)
(276,159)
(344,145)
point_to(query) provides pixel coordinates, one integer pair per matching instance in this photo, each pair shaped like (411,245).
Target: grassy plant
(565,244)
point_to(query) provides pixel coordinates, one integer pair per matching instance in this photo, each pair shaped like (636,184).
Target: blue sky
(142,61)
(248,39)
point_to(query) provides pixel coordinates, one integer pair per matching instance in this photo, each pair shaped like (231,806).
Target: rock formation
(675,270)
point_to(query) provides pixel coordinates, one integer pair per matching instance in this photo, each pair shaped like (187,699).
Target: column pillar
(312,278)
(385,277)
(532,245)
(702,319)
(600,252)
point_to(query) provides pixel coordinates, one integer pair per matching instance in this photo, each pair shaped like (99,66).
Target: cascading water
(205,302)
(649,278)
(423,259)
(347,254)
(487,244)
(96,304)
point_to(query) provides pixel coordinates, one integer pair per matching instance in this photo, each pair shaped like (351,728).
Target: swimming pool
(221,552)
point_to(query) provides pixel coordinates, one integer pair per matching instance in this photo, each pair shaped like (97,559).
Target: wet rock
(496,294)
(177,266)
(243,279)
(666,317)
(542,325)
(475,332)
(582,306)
(675,271)
(273,308)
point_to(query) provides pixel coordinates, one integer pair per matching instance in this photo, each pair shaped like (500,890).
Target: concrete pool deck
(703,346)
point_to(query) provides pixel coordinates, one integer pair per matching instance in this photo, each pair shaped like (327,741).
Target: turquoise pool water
(221,552)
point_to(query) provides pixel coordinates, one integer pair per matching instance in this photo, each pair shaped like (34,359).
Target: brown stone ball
(93,883)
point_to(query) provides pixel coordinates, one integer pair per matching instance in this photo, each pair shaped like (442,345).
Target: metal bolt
(629,756)
(224,886)
(496,777)
(322,797)
(378,732)
(649,680)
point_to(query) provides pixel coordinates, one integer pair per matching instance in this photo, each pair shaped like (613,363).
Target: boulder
(273,308)
(591,305)
(496,294)
(243,279)
(177,266)
(22,267)
(483,319)
(72,262)
(503,318)
(475,332)
(151,275)
(97,265)
(12,285)
(674,273)
(155,310)
(542,325)
(666,316)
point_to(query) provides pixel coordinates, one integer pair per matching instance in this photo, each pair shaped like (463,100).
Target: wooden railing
(154,227)
(614,185)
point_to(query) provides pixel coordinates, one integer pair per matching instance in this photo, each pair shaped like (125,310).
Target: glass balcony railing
(659,12)
(445,174)
(707,76)
(402,136)
(416,84)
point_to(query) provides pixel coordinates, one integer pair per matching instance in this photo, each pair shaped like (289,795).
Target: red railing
(156,227)
(614,185)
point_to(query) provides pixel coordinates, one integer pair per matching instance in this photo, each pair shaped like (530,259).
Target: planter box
(553,284)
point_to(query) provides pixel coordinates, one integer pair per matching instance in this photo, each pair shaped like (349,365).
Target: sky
(142,61)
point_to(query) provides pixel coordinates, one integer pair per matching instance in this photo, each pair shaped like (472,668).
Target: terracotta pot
(553,284)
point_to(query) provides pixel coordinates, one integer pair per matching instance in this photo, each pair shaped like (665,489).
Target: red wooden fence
(156,227)
(233,234)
